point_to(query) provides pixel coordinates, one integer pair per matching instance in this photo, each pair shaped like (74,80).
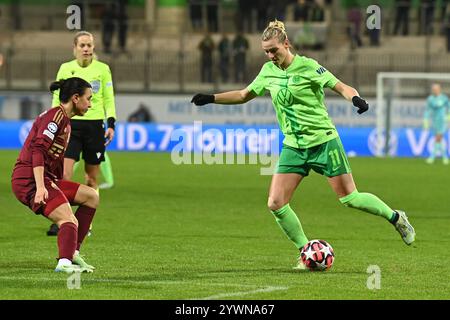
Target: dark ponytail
(68,87)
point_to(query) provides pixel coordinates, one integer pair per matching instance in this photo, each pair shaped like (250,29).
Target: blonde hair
(275,29)
(80,34)
(75,42)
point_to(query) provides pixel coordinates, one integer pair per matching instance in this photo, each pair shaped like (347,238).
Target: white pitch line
(145,282)
(235,294)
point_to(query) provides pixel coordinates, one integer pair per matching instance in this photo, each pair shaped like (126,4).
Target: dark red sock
(84,216)
(67,240)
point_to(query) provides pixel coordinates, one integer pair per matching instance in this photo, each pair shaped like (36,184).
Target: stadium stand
(162,53)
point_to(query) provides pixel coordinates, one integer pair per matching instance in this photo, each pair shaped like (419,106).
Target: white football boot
(405,229)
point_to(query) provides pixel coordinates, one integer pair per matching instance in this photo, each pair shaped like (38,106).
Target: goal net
(400,106)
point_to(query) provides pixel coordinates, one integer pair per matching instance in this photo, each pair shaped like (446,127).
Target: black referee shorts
(88,137)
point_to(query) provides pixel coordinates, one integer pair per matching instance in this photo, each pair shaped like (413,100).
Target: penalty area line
(241,293)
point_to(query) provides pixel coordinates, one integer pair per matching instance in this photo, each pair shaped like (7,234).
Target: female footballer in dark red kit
(38,172)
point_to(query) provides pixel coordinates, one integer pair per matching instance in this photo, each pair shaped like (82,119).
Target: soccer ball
(317,255)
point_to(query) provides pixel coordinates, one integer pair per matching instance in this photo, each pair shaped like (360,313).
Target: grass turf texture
(203,231)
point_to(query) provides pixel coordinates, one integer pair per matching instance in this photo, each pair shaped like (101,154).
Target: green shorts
(328,159)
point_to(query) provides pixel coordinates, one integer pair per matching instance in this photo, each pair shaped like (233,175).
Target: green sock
(106,169)
(290,224)
(75,166)
(369,203)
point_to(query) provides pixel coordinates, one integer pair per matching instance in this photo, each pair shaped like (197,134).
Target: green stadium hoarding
(183,3)
(172,3)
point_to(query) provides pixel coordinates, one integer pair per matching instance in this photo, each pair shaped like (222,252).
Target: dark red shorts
(59,192)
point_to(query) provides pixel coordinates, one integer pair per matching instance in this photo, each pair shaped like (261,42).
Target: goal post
(394,89)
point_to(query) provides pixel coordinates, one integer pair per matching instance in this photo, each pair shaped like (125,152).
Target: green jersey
(298,98)
(99,76)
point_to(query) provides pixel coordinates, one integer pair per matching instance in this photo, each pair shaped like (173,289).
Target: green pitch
(199,231)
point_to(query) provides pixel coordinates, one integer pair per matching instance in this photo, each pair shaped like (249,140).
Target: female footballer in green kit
(311,141)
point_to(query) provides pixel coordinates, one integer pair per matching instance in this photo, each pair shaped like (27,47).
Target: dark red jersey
(45,146)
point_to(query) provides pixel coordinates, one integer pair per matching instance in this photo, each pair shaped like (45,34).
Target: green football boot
(78,260)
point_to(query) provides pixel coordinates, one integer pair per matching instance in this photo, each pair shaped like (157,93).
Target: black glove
(361,104)
(201,99)
(111,123)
